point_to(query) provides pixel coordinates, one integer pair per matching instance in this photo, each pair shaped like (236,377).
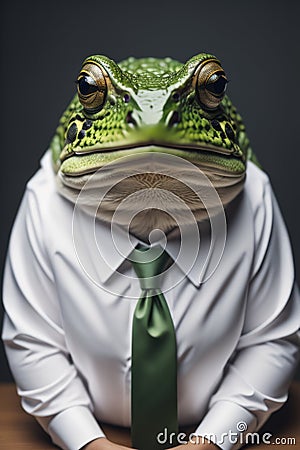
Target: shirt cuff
(226,424)
(74,428)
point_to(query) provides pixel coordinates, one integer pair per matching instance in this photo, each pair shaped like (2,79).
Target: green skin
(142,98)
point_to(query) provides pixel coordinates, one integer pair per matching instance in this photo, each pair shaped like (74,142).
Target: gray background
(44,43)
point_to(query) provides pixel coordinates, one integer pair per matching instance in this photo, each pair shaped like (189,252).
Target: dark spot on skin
(126,98)
(207,127)
(78,117)
(216,124)
(174,119)
(81,134)
(222,135)
(72,132)
(229,131)
(130,119)
(175,96)
(87,124)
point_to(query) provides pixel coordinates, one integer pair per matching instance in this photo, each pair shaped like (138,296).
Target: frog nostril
(174,119)
(126,98)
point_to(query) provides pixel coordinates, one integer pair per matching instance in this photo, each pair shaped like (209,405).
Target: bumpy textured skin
(150,104)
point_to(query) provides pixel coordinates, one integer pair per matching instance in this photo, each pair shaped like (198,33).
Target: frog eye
(211,84)
(92,87)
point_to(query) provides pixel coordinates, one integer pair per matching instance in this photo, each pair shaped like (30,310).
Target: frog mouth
(200,148)
(81,161)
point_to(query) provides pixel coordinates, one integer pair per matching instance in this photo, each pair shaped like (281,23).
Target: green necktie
(154,355)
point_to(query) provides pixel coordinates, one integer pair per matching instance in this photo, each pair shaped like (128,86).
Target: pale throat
(160,199)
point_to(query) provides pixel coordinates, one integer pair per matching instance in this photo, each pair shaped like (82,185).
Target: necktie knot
(148,263)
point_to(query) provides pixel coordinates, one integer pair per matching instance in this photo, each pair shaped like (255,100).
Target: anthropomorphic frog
(151,154)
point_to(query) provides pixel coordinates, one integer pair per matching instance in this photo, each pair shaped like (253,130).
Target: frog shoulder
(262,203)
(44,179)
(44,202)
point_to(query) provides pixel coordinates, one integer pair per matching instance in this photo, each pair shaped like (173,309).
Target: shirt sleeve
(46,379)
(257,378)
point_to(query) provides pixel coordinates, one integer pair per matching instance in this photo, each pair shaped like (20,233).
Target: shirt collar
(191,251)
(117,244)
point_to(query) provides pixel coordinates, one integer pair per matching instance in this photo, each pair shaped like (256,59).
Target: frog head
(151,106)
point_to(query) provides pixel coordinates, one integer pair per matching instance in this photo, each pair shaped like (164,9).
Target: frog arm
(268,349)
(47,380)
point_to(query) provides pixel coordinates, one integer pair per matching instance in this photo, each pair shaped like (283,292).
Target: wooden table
(19,431)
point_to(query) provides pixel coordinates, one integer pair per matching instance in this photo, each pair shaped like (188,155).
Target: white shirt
(68,319)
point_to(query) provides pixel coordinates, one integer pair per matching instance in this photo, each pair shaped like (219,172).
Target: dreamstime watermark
(239,436)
